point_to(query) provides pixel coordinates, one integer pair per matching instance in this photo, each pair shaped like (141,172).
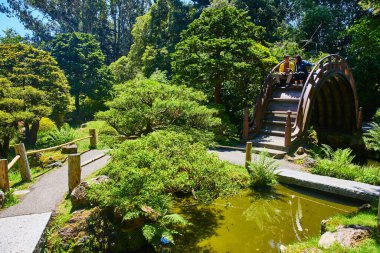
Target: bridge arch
(328,101)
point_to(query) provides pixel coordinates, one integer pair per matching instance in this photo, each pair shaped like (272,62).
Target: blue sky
(13,22)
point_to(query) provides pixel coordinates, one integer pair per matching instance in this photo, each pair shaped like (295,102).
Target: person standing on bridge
(301,71)
(285,71)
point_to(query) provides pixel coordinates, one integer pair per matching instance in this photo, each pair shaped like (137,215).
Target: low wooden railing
(23,163)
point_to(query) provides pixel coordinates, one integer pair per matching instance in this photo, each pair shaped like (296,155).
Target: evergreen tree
(223,54)
(32,87)
(80,56)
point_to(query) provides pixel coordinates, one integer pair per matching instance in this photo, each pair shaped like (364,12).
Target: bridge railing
(262,98)
(326,63)
(23,163)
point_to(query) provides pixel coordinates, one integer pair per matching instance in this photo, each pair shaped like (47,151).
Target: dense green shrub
(376,117)
(372,137)
(144,105)
(263,171)
(339,164)
(46,125)
(148,172)
(55,137)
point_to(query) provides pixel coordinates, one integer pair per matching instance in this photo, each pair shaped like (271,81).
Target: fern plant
(56,137)
(163,230)
(262,171)
(372,137)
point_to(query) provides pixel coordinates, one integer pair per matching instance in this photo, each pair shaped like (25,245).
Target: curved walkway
(22,225)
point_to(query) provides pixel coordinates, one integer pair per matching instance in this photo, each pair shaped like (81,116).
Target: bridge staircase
(281,115)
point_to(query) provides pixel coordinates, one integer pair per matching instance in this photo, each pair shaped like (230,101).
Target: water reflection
(257,221)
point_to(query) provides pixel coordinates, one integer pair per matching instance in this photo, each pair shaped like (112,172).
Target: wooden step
(273,127)
(279,118)
(290,100)
(287,94)
(275,122)
(282,106)
(293,113)
(273,132)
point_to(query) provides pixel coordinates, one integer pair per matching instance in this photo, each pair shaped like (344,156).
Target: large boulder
(2,198)
(78,196)
(348,236)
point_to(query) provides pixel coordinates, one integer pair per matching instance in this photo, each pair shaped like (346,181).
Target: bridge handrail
(310,78)
(263,88)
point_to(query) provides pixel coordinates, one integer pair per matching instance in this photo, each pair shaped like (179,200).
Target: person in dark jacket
(301,70)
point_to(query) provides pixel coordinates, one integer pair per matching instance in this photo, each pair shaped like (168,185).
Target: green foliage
(146,173)
(365,218)
(376,117)
(11,37)
(364,54)
(32,87)
(155,34)
(46,125)
(79,51)
(10,198)
(144,105)
(55,137)
(110,22)
(263,171)
(372,137)
(223,54)
(339,164)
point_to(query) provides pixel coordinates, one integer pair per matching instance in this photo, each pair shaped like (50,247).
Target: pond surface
(257,222)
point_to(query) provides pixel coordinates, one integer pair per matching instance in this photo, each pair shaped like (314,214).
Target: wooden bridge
(328,102)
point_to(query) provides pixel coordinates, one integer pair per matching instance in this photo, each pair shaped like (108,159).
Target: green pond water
(257,222)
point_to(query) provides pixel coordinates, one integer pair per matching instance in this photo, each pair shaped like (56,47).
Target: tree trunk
(77,107)
(33,132)
(217,93)
(26,131)
(4,147)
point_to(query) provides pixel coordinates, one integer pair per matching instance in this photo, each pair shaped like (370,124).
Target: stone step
(276,154)
(268,141)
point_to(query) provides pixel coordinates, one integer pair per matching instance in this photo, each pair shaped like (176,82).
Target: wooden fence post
(360,118)
(378,218)
(245,124)
(4,180)
(23,163)
(288,130)
(74,171)
(94,138)
(248,153)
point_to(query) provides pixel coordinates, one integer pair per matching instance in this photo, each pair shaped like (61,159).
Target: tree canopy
(144,105)
(223,54)
(80,56)
(33,86)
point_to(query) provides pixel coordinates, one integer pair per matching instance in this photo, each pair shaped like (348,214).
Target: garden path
(22,225)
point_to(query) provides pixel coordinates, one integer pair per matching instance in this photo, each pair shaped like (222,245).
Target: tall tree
(110,21)
(33,86)
(80,56)
(155,35)
(223,54)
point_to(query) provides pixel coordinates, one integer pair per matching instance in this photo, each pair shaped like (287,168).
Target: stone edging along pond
(346,188)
